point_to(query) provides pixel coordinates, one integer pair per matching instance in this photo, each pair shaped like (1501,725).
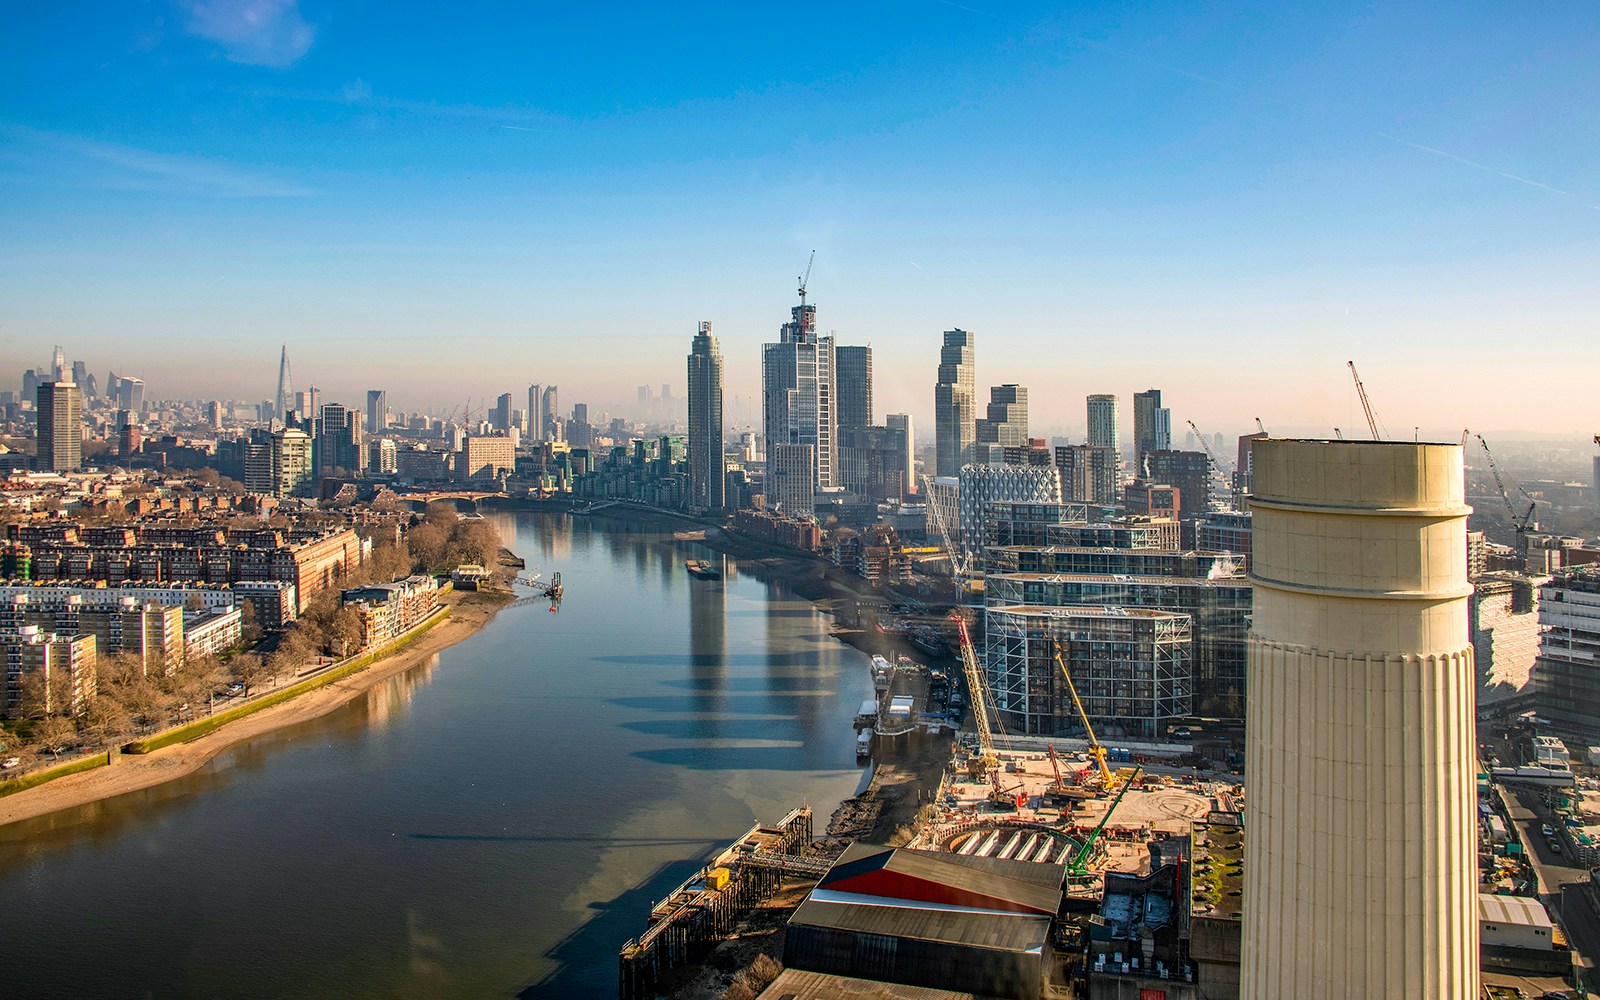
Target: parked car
(10,762)
(1547,830)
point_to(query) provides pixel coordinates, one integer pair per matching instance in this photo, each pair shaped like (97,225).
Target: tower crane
(1521,522)
(1211,452)
(805,279)
(958,559)
(1260,426)
(1366,404)
(1096,750)
(978,687)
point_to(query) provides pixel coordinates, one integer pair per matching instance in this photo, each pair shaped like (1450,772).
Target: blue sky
(455,201)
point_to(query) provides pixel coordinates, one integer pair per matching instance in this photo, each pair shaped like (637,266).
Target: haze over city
(1228,204)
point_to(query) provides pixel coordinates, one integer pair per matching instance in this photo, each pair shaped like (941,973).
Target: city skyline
(1223,206)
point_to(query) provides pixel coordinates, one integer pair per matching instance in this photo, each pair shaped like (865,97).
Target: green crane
(1079,860)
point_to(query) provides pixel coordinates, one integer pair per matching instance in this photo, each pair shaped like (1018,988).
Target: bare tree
(248,669)
(106,721)
(55,733)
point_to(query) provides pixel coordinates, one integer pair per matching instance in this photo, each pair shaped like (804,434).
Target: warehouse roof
(1512,911)
(795,984)
(1009,932)
(946,879)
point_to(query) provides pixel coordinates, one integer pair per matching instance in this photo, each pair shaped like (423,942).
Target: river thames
(494,823)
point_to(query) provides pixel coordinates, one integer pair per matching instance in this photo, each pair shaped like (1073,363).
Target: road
(1561,886)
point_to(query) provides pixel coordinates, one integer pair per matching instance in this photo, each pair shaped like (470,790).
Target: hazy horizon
(1224,205)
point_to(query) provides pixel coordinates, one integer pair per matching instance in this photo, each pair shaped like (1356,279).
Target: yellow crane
(1096,751)
(978,687)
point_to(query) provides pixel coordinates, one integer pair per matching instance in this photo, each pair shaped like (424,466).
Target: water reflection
(499,816)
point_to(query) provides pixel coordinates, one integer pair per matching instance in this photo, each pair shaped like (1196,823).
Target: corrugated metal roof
(800,985)
(1013,932)
(1035,886)
(1512,911)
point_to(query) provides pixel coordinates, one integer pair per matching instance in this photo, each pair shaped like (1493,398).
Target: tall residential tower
(799,400)
(60,426)
(706,467)
(955,408)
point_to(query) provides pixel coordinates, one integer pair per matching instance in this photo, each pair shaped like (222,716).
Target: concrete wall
(1360,876)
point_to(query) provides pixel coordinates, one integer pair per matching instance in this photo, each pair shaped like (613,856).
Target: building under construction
(1131,666)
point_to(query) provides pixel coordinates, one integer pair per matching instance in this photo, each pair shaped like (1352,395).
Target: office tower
(1190,472)
(285,401)
(60,427)
(1152,427)
(707,470)
(982,485)
(80,377)
(339,441)
(535,401)
(1004,426)
(799,393)
(955,408)
(1089,474)
(130,394)
(59,367)
(500,416)
(89,386)
(1361,877)
(214,414)
(579,433)
(902,422)
(872,462)
(1105,429)
(550,415)
(30,383)
(377,411)
(853,366)
(647,403)
(308,405)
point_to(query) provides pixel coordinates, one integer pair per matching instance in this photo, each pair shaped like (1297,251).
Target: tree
(427,543)
(248,669)
(345,629)
(122,669)
(106,721)
(55,733)
(441,513)
(249,628)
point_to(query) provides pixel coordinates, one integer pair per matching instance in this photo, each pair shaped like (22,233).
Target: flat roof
(1036,886)
(1021,933)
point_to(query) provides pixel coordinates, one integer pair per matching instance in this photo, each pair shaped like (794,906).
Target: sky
(450,202)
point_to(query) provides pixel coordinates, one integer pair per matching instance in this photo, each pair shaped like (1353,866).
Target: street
(1561,887)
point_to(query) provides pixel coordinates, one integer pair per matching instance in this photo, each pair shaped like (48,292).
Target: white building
(799,395)
(981,485)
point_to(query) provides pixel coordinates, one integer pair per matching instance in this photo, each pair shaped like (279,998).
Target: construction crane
(978,687)
(1521,522)
(1260,426)
(1366,404)
(1096,750)
(958,560)
(805,279)
(1211,453)
(1081,859)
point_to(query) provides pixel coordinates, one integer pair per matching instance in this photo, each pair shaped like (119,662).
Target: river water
(494,823)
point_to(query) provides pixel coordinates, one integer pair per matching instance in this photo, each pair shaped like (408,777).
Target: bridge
(471,496)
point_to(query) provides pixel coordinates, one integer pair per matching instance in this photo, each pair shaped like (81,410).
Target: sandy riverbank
(129,773)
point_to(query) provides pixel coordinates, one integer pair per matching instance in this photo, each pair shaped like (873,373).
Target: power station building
(1361,879)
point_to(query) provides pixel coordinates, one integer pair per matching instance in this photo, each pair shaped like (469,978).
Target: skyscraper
(1105,429)
(550,414)
(60,426)
(1152,427)
(535,422)
(799,393)
(1361,876)
(285,401)
(706,467)
(377,411)
(1004,426)
(500,416)
(955,408)
(339,444)
(902,422)
(854,368)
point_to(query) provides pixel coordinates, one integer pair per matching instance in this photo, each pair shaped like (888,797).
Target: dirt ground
(129,773)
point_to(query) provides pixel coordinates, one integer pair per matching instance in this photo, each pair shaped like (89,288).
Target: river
(494,823)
